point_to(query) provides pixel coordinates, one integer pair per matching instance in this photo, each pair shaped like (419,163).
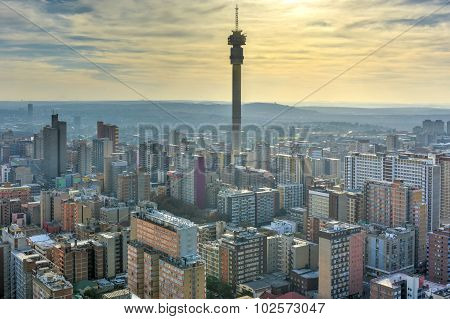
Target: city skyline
(185,200)
(315,42)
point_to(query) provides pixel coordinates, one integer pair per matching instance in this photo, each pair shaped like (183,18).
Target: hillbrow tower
(237,39)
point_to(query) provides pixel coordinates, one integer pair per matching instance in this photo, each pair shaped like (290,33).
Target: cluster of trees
(215,289)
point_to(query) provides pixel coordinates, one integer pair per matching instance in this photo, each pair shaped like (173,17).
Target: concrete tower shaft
(237,39)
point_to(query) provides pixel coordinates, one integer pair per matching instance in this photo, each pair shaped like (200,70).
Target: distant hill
(132,112)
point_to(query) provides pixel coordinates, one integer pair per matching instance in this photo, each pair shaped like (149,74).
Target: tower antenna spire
(237,17)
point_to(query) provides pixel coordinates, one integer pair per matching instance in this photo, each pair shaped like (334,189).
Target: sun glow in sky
(177,50)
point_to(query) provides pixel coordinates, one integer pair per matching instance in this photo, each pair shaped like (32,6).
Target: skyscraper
(265,205)
(238,205)
(414,170)
(162,257)
(55,148)
(101,148)
(438,255)
(127,187)
(200,181)
(5,253)
(341,261)
(390,250)
(392,143)
(108,131)
(237,39)
(84,158)
(444,162)
(397,204)
(242,254)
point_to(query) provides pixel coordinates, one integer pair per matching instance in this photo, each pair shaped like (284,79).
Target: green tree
(218,290)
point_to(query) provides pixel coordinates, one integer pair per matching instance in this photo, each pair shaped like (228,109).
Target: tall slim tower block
(237,39)
(55,148)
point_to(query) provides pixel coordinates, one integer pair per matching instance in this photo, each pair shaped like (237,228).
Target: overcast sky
(177,50)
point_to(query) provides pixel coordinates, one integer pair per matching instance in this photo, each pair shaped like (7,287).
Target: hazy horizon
(289,104)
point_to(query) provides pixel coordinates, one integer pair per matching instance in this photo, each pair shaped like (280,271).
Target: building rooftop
(42,241)
(443,293)
(267,281)
(235,192)
(336,227)
(117,294)
(166,219)
(391,280)
(306,273)
(53,281)
(240,235)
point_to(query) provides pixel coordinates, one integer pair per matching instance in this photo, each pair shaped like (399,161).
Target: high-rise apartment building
(23,193)
(38,146)
(291,195)
(261,156)
(143,185)
(439,255)
(422,173)
(285,253)
(79,260)
(112,179)
(319,204)
(395,204)
(200,181)
(51,206)
(116,252)
(347,206)
(5,255)
(11,201)
(49,285)
(444,162)
(389,250)
(413,170)
(238,205)
(84,158)
(392,143)
(360,168)
(8,209)
(101,148)
(210,253)
(266,200)
(172,235)
(242,254)
(13,240)
(23,264)
(110,132)
(69,212)
(341,261)
(127,187)
(162,257)
(54,148)
(291,169)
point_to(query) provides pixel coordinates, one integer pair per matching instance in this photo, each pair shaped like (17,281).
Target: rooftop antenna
(237,18)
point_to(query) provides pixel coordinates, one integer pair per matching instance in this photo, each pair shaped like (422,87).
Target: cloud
(177,49)
(66,7)
(432,20)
